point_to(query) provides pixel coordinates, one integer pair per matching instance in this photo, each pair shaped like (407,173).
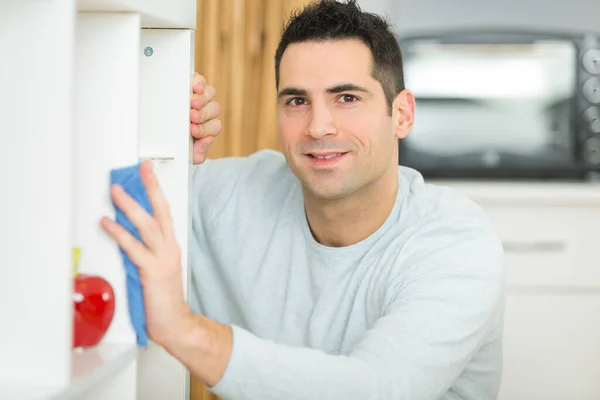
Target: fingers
(209,128)
(160,205)
(202,98)
(206,113)
(201,147)
(135,250)
(200,158)
(210,93)
(199,83)
(204,118)
(147,226)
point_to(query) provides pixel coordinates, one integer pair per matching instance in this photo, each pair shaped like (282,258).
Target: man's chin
(321,185)
(326,190)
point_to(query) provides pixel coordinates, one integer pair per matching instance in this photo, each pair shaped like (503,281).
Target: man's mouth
(325,159)
(325,156)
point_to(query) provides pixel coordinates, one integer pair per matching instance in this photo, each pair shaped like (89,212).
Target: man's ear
(403,113)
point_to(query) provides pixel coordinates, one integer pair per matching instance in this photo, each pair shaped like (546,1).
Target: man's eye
(348,98)
(296,101)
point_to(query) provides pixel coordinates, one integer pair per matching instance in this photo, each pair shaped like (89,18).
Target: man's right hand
(204,117)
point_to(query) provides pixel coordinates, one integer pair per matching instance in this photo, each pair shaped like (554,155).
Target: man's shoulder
(263,166)
(437,219)
(260,180)
(445,232)
(266,160)
(426,203)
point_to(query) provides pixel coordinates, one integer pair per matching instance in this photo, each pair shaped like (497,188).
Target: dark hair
(332,20)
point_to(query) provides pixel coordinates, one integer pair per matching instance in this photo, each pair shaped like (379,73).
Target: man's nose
(322,123)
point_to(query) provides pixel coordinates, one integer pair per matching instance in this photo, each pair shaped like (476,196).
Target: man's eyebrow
(337,89)
(292,91)
(346,87)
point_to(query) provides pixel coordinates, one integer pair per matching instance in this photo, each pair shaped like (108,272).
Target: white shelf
(106,103)
(26,393)
(154,13)
(90,368)
(527,193)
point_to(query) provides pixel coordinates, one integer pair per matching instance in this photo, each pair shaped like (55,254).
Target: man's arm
(422,343)
(437,320)
(203,346)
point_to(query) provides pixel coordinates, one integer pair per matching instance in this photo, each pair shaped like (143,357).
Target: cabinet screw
(148,51)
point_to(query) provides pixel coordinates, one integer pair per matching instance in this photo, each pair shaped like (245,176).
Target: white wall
(377,6)
(568,15)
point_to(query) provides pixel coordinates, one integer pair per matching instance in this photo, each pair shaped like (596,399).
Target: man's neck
(346,221)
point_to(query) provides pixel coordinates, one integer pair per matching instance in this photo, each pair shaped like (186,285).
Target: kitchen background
(549,229)
(139,84)
(245,32)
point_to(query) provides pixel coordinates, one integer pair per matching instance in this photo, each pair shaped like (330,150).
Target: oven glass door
(491,106)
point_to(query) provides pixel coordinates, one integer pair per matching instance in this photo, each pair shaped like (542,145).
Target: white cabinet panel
(552,346)
(173,383)
(71,109)
(106,137)
(165,91)
(154,13)
(166,66)
(36,57)
(550,246)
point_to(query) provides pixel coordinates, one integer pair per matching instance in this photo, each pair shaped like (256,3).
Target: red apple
(94,308)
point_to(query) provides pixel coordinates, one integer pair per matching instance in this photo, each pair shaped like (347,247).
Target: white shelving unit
(85,86)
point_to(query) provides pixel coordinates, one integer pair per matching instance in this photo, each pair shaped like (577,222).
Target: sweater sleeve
(434,324)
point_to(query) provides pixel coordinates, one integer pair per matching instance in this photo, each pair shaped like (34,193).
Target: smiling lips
(323,159)
(326,156)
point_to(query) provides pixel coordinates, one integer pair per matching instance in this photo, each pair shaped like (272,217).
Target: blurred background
(236,41)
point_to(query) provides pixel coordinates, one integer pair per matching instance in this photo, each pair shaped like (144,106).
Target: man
(329,272)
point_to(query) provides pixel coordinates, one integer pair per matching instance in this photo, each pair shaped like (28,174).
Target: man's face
(334,125)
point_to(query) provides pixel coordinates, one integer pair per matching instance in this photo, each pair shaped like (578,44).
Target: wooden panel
(235,49)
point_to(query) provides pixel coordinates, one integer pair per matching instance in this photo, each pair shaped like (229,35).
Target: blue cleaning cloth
(129,178)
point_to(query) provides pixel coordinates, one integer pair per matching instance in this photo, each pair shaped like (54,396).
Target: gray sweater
(412,312)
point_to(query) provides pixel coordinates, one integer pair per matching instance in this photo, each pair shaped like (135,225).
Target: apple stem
(76,255)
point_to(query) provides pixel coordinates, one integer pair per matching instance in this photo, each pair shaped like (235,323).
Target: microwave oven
(503,104)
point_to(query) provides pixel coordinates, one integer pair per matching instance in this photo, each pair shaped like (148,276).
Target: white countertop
(539,193)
